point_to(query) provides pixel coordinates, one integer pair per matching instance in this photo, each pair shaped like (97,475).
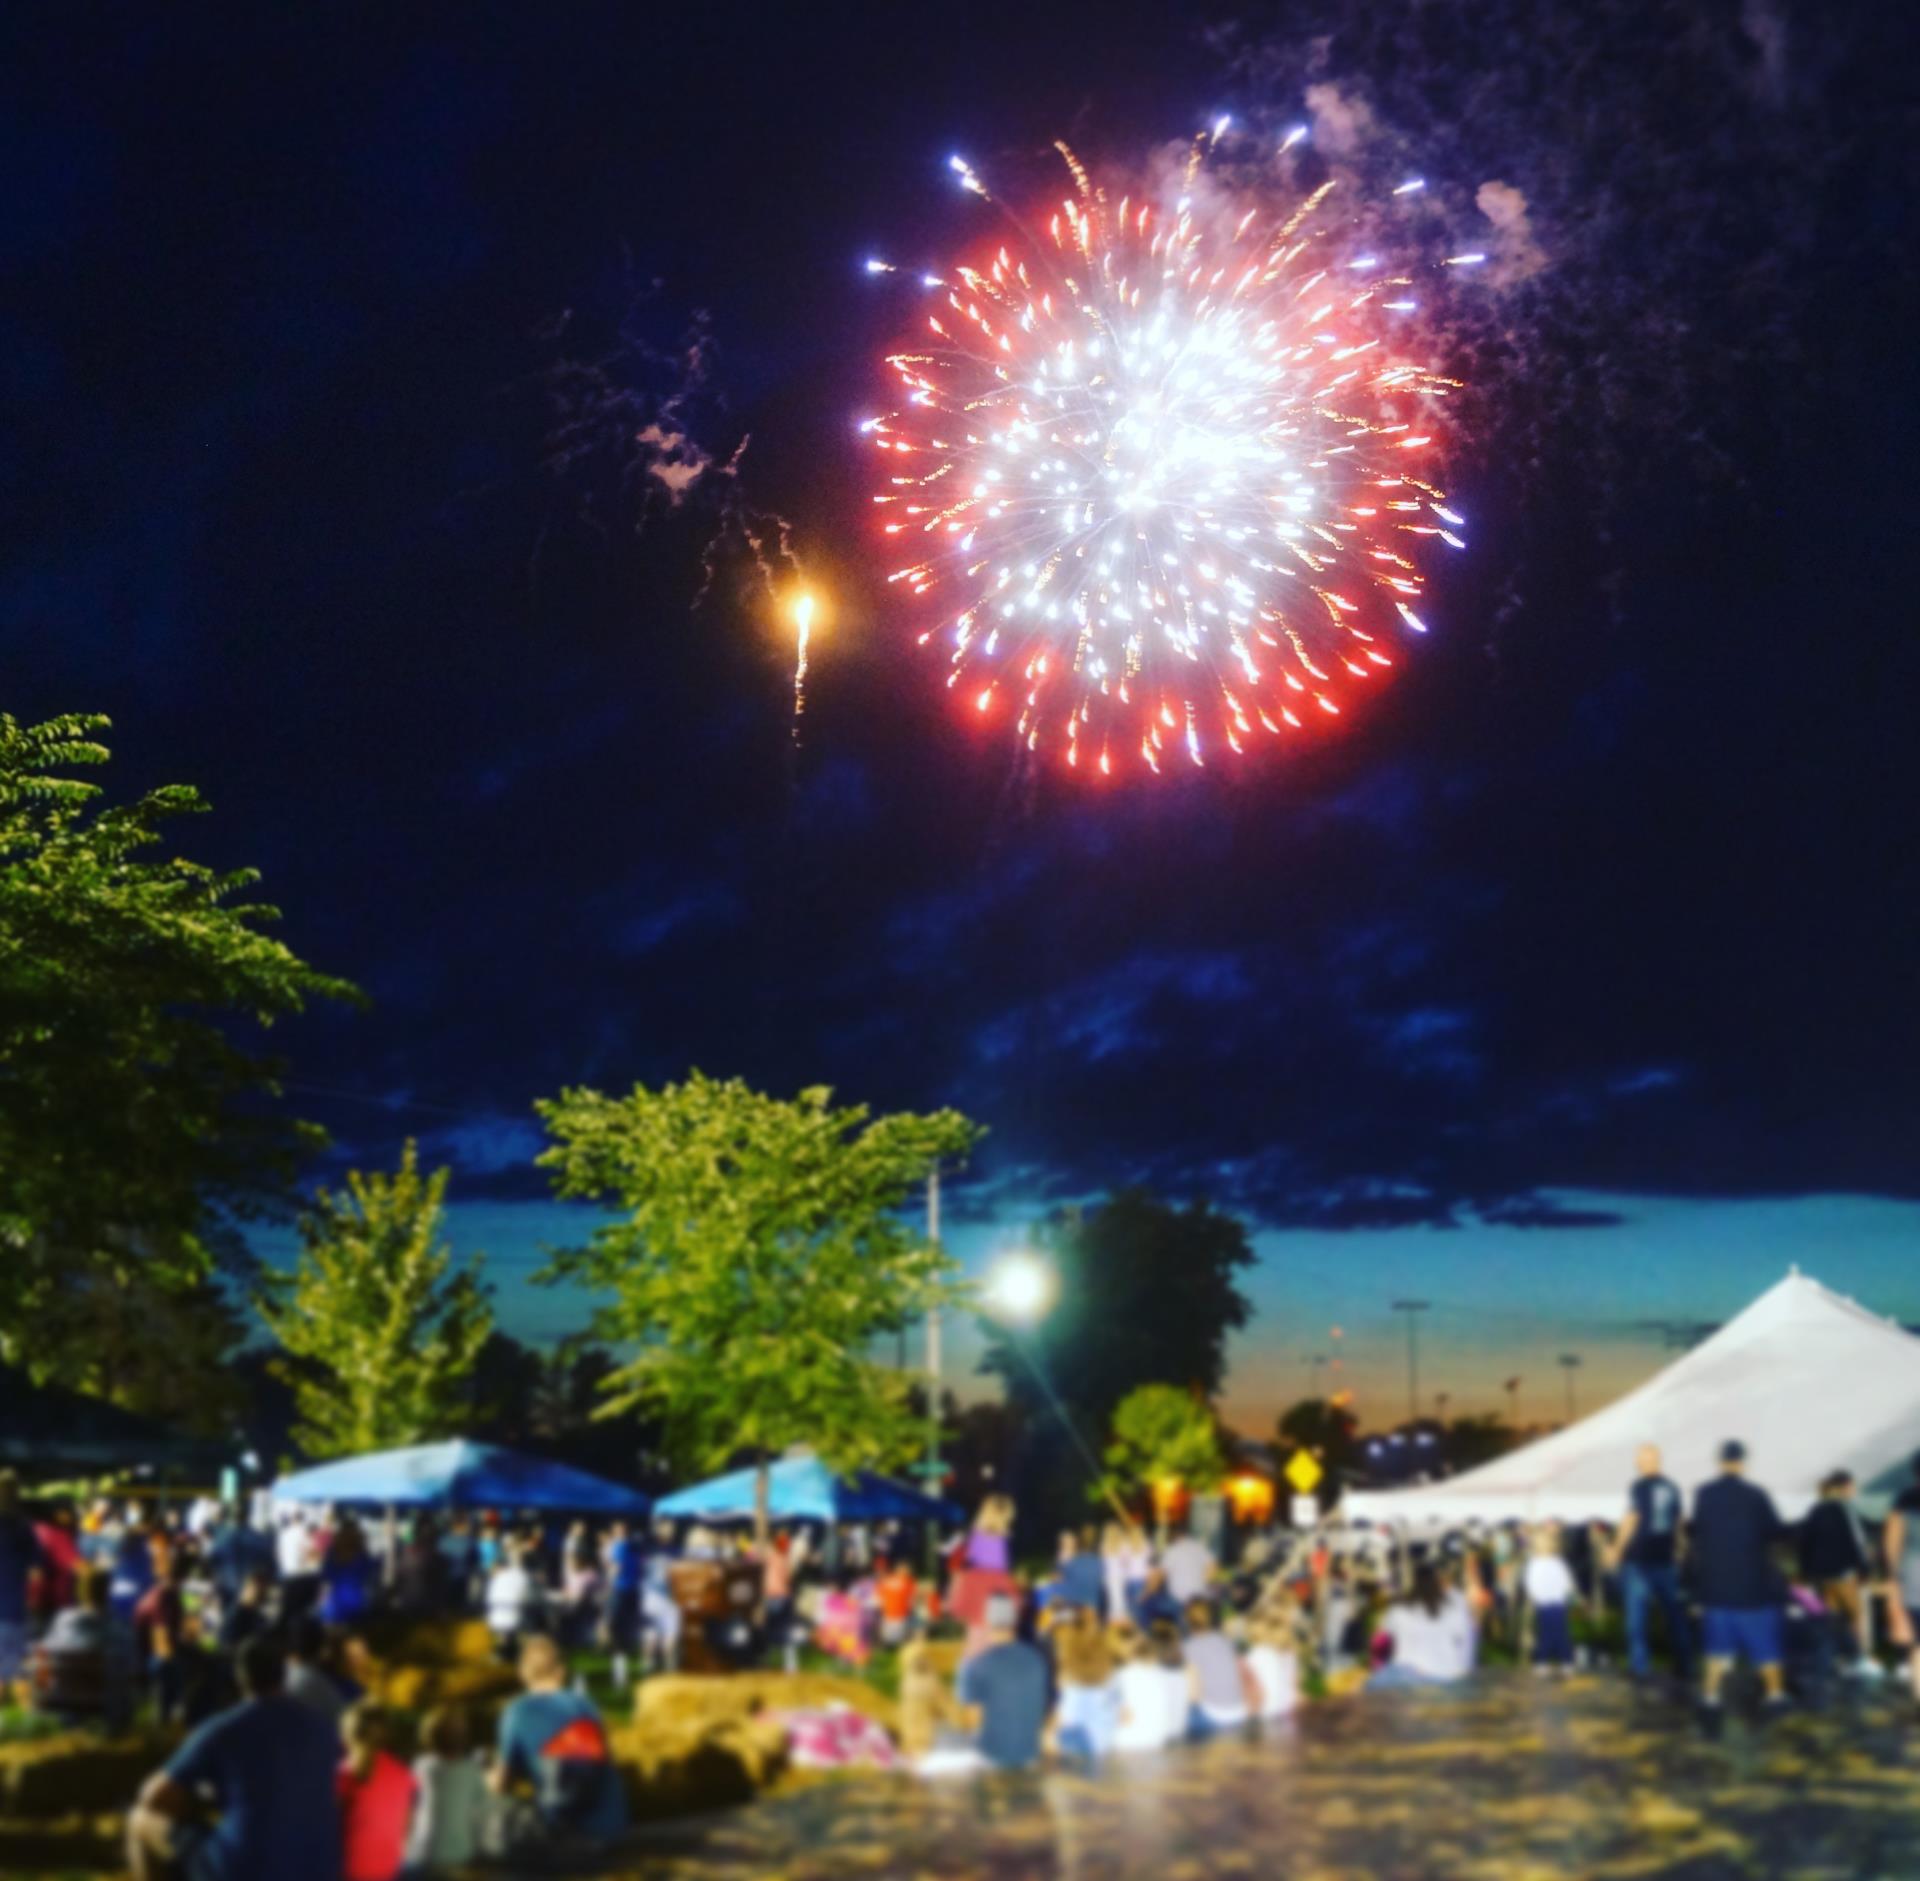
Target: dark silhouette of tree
(1147,1295)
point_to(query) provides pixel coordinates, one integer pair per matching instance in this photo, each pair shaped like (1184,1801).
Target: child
(450,1824)
(928,1712)
(895,1592)
(1274,1665)
(376,1792)
(1550,1592)
(1089,1715)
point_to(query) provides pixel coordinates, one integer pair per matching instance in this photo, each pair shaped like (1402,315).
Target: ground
(1511,1781)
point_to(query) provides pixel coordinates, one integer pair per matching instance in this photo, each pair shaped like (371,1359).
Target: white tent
(1809,1382)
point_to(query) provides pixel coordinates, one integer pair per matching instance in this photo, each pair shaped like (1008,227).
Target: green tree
(1147,1293)
(1163,1434)
(762,1252)
(137,1131)
(380,1329)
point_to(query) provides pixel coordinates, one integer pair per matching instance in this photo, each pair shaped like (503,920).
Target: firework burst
(1161,474)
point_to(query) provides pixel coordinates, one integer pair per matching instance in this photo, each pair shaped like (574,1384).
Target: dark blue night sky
(1577,984)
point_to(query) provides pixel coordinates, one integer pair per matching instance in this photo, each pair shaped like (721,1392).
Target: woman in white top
(512,1598)
(1275,1666)
(1152,1686)
(1432,1634)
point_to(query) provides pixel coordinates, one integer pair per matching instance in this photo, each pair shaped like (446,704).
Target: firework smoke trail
(803,630)
(1161,471)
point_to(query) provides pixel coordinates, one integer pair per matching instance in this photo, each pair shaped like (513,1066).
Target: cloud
(1516,254)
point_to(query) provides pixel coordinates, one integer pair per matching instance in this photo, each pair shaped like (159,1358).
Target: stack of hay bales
(63,1798)
(422,1663)
(699,1743)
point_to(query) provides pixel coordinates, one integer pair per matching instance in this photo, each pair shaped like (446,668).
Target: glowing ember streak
(803,632)
(1141,470)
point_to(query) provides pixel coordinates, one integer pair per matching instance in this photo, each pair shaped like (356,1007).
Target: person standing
(1901,1542)
(20,1556)
(1551,1592)
(1646,1555)
(1190,1568)
(1735,1527)
(1834,1560)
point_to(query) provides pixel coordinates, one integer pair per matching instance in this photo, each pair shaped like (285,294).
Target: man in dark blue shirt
(267,1768)
(1646,1556)
(1735,1527)
(1005,1688)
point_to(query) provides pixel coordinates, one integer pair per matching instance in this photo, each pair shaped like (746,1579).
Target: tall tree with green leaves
(1163,1435)
(381,1329)
(762,1251)
(1147,1294)
(138,1127)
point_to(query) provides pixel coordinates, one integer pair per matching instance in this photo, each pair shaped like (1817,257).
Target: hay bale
(420,1687)
(688,1767)
(683,1699)
(77,1773)
(405,1639)
(80,1844)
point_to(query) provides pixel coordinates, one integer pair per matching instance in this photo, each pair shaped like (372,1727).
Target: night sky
(1572,985)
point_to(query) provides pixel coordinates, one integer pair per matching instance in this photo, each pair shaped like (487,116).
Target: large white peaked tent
(1809,1382)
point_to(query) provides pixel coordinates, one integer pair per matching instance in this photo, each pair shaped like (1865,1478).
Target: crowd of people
(250,1637)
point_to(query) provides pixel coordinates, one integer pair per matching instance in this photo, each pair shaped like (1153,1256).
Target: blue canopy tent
(460,1475)
(803,1489)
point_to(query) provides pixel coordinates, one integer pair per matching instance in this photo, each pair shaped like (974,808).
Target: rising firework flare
(1161,473)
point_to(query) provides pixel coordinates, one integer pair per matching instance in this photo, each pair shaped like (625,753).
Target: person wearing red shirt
(377,1793)
(895,1593)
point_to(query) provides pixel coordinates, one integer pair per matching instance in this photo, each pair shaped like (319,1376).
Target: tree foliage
(1147,1293)
(134,1131)
(1329,1430)
(1163,1434)
(380,1328)
(761,1253)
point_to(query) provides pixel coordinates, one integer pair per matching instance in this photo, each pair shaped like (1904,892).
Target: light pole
(1570,1363)
(933,1338)
(1413,1309)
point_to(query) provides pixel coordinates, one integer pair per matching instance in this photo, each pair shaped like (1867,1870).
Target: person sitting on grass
(249,1794)
(1154,1601)
(451,1822)
(1088,1716)
(1550,1593)
(1432,1633)
(1222,1689)
(86,1659)
(1152,1686)
(308,1682)
(376,1793)
(1274,1664)
(1004,1688)
(554,1741)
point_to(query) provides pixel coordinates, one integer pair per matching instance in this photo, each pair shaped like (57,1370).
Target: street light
(1020,1288)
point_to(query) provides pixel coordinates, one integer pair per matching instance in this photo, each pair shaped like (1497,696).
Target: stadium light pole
(1413,1309)
(1570,1363)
